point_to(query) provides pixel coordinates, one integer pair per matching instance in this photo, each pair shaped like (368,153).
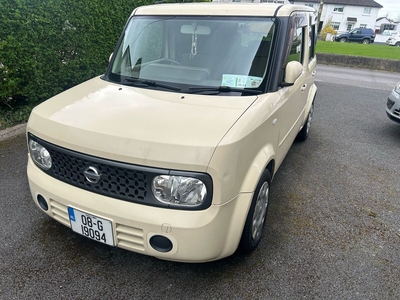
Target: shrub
(48,46)
(327,29)
(324,32)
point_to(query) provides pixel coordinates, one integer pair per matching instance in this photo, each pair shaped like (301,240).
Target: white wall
(349,11)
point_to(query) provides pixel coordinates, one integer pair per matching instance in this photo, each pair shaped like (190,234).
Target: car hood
(137,125)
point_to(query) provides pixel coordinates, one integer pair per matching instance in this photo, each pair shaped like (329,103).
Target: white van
(172,151)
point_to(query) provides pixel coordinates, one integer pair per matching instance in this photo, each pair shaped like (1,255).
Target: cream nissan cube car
(172,151)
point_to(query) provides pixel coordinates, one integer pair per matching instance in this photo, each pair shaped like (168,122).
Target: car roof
(221,9)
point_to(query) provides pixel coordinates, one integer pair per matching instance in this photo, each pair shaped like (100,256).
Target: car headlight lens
(40,155)
(397,88)
(179,190)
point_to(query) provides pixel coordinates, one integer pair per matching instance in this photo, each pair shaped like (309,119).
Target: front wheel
(343,40)
(397,44)
(253,228)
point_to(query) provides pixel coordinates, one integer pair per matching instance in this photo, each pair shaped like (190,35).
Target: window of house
(367,10)
(350,26)
(309,4)
(389,27)
(363,25)
(335,25)
(338,8)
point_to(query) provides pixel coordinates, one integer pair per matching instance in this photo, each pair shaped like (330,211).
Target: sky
(389,6)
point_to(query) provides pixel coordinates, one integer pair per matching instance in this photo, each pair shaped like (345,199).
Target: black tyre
(366,41)
(305,131)
(397,44)
(343,40)
(253,228)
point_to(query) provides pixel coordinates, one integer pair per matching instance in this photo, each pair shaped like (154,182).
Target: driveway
(333,229)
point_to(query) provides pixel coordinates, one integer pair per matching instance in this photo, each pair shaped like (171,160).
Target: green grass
(354,49)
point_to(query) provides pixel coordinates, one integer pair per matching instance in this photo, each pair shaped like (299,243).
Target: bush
(48,46)
(327,29)
(324,32)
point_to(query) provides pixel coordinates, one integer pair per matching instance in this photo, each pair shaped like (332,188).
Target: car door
(355,35)
(294,98)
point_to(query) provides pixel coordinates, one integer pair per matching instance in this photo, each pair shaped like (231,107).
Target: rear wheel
(305,131)
(253,228)
(366,41)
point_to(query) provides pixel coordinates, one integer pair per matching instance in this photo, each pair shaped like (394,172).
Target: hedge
(47,46)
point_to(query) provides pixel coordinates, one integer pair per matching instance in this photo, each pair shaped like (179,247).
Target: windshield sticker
(240,81)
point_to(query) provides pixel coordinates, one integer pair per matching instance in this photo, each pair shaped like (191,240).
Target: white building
(384,25)
(346,14)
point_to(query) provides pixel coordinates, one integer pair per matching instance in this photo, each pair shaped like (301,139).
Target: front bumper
(393,107)
(196,236)
(391,42)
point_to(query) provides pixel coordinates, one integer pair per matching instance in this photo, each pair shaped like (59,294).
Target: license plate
(91,226)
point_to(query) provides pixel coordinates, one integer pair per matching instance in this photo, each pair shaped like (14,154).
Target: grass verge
(354,49)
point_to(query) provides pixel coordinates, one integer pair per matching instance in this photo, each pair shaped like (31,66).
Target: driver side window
(296,43)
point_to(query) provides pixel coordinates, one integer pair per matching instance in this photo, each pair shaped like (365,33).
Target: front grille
(116,181)
(389,103)
(111,178)
(59,212)
(130,238)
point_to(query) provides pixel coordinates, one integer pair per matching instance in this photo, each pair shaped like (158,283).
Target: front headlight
(179,190)
(397,88)
(40,155)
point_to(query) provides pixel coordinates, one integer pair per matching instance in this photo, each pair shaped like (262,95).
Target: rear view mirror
(190,29)
(292,72)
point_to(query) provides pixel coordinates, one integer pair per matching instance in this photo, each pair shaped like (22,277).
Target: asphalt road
(333,230)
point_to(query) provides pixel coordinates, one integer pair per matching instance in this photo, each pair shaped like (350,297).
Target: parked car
(393,104)
(359,35)
(171,152)
(390,32)
(393,41)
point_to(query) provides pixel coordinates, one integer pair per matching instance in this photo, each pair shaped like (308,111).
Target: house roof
(367,3)
(383,18)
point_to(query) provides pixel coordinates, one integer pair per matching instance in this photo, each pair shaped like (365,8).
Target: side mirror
(292,71)
(109,59)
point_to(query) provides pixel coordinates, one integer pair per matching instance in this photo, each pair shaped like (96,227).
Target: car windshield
(187,53)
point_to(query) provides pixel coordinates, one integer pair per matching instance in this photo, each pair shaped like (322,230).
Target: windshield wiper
(137,81)
(222,89)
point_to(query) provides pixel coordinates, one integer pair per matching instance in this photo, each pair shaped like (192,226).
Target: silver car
(393,104)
